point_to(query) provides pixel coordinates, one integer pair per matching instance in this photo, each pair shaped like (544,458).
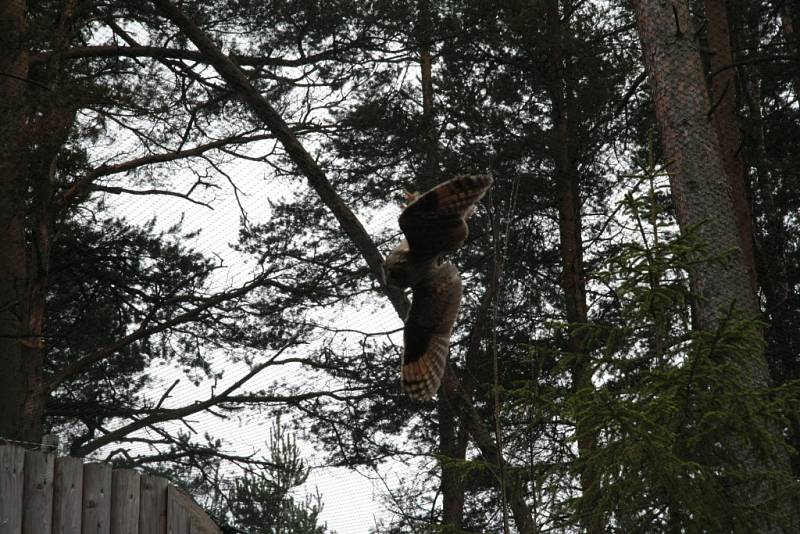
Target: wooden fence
(44,494)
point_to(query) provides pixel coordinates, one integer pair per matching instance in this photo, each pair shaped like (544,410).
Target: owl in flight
(433,223)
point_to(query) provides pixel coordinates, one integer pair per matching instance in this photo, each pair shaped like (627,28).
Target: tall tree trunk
(563,140)
(724,116)
(701,196)
(20,414)
(31,143)
(430,167)
(473,422)
(771,238)
(697,173)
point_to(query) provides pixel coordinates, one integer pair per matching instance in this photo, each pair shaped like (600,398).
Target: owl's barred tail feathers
(421,377)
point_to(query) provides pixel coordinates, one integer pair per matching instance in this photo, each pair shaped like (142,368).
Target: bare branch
(26,80)
(78,366)
(754,61)
(122,190)
(84,183)
(167,392)
(191,55)
(190,451)
(180,413)
(289,399)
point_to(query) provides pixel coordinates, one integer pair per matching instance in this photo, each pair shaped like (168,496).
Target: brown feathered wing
(433,224)
(426,336)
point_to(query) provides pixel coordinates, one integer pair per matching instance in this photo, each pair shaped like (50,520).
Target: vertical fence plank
(177,515)
(67,495)
(37,500)
(42,494)
(184,516)
(153,505)
(125,487)
(201,523)
(96,499)
(12,464)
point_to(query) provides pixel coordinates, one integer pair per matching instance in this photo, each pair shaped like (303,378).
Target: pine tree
(700,193)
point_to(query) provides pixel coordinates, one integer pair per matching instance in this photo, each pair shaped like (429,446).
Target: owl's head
(397,268)
(403,269)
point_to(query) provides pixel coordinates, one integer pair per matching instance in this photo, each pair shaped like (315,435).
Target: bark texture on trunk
(702,198)
(20,414)
(36,120)
(723,91)
(698,180)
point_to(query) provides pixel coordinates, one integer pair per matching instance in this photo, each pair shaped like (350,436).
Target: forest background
(626,356)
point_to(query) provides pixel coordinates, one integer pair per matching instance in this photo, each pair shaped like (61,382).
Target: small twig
(26,80)
(678,32)
(719,100)
(114,190)
(166,393)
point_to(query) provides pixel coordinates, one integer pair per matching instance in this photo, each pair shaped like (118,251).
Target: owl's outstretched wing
(427,331)
(434,222)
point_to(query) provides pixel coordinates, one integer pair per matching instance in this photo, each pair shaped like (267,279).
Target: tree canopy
(602,378)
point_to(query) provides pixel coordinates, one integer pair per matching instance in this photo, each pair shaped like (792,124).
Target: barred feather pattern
(433,223)
(430,321)
(421,378)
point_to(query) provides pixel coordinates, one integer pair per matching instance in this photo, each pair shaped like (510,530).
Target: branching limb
(86,182)
(180,413)
(124,190)
(80,365)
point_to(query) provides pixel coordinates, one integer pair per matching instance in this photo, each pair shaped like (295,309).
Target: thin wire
(27,444)
(499,262)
